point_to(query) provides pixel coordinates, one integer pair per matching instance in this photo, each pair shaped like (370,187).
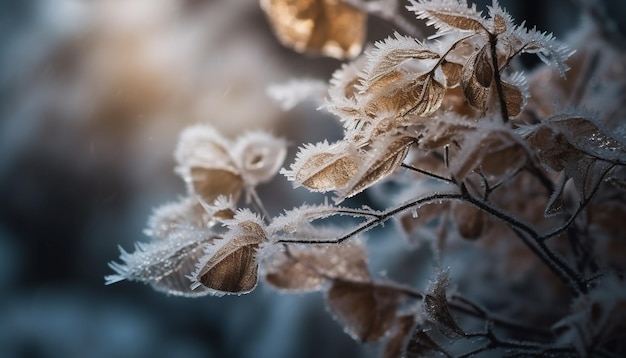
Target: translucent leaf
(307,269)
(513,98)
(586,174)
(396,345)
(258,156)
(324,167)
(436,308)
(448,14)
(365,310)
(386,155)
(332,28)
(469,219)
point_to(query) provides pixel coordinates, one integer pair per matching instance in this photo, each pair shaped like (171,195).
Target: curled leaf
(476,78)
(259,155)
(366,311)
(330,27)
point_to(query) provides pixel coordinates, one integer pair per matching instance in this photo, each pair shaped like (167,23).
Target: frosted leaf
(365,310)
(421,345)
(436,308)
(469,219)
(448,14)
(289,221)
(168,218)
(383,158)
(586,174)
(324,167)
(544,45)
(222,208)
(500,20)
(396,345)
(555,202)
(258,156)
(329,27)
(443,130)
(230,266)
(495,149)
(452,72)
(290,94)
(586,133)
(419,96)
(308,268)
(165,263)
(205,164)
(209,183)
(390,53)
(476,79)
(515,93)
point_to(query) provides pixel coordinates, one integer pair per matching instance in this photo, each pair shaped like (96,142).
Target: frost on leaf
(307,269)
(290,94)
(419,96)
(259,155)
(436,308)
(389,54)
(324,167)
(330,27)
(384,157)
(205,164)
(495,150)
(165,263)
(544,45)
(476,78)
(448,14)
(230,265)
(452,72)
(365,310)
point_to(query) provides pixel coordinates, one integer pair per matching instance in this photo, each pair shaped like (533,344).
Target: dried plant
(526,195)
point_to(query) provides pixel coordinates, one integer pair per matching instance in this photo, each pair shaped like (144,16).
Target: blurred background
(93,95)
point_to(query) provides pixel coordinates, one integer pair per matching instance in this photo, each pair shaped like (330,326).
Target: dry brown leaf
(209,183)
(476,78)
(452,72)
(469,220)
(513,98)
(387,158)
(233,267)
(365,310)
(329,27)
(327,172)
(456,20)
(499,24)
(307,269)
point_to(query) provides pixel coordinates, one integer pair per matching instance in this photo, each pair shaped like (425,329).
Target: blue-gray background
(87,128)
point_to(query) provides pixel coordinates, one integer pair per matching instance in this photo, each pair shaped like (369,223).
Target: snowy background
(93,95)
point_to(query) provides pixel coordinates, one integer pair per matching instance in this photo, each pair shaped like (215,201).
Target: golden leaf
(421,97)
(329,27)
(365,310)
(499,24)
(452,71)
(456,20)
(209,183)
